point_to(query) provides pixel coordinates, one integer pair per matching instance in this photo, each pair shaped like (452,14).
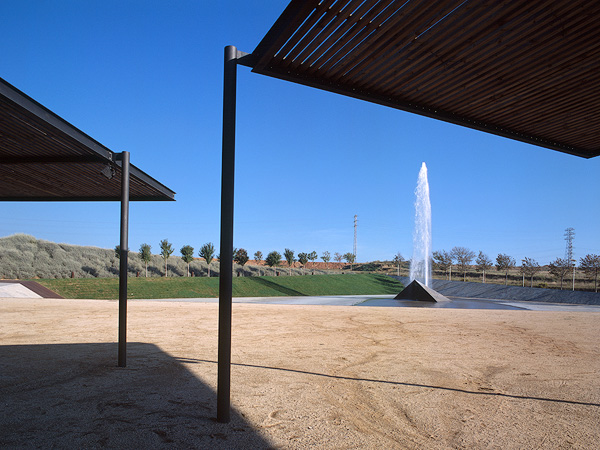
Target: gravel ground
(302,376)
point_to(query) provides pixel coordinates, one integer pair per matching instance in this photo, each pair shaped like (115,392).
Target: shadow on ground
(276,287)
(484,392)
(74,396)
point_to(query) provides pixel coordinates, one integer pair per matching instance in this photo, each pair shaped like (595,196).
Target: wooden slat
(319,34)
(318,19)
(507,65)
(359,21)
(292,18)
(373,55)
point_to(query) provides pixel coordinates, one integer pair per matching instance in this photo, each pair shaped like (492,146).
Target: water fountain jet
(420,265)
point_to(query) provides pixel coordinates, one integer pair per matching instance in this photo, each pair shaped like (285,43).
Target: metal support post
(124,157)
(226,256)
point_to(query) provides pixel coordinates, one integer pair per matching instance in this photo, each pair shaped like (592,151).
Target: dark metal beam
(43,114)
(124,246)
(147,179)
(78,159)
(80,199)
(226,255)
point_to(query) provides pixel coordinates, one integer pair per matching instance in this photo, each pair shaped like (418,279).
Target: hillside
(265,286)
(24,257)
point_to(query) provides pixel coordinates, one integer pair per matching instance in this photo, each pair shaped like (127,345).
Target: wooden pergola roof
(524,69)
(45,158)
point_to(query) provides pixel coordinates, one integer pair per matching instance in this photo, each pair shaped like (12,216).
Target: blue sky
(146,77)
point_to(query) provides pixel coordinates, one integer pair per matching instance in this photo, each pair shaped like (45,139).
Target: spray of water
(420,266)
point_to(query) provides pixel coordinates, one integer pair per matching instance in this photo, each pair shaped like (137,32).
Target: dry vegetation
(24,257)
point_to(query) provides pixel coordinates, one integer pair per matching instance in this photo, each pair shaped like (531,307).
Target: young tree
(463,257)
(303,259)
(166,250)
(145,255)
(118,253)
(484,263)
(326,257)
(529,267)
(258,258)
(313,257)
(241,257)
(273,259)
(503,264)
(398,259)
(559,268)
(337,257)
(187,254)
(349,257)
(590,265)
(443,261)
(207,251)
(289,257)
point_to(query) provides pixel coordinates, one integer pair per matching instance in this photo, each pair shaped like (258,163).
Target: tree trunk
(146,270)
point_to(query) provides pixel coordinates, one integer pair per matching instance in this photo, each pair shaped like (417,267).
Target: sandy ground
(303,376)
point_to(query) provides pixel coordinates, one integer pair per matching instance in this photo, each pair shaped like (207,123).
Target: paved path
(351,300)
(331,300)
(16,290)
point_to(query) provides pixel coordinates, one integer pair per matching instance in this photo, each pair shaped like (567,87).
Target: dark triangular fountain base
(418,291)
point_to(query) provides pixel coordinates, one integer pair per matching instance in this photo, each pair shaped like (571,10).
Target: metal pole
(124,157)
(226,256)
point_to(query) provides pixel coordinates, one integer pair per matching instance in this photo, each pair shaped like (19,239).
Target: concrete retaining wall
(501,292)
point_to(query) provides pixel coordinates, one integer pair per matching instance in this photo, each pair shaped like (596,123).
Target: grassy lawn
(108,288)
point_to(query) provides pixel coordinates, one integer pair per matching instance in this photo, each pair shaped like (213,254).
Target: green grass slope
(108,288)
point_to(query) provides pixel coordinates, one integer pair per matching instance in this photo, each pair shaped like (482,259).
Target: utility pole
(355,225)
(569,234)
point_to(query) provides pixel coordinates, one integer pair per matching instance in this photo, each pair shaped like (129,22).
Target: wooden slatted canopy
(524,69)
(45,158)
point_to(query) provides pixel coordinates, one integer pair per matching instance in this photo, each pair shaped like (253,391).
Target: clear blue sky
(146,76)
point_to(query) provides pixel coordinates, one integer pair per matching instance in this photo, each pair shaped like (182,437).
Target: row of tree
(274,258)
(240,256)
(559,268)
(207,251)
